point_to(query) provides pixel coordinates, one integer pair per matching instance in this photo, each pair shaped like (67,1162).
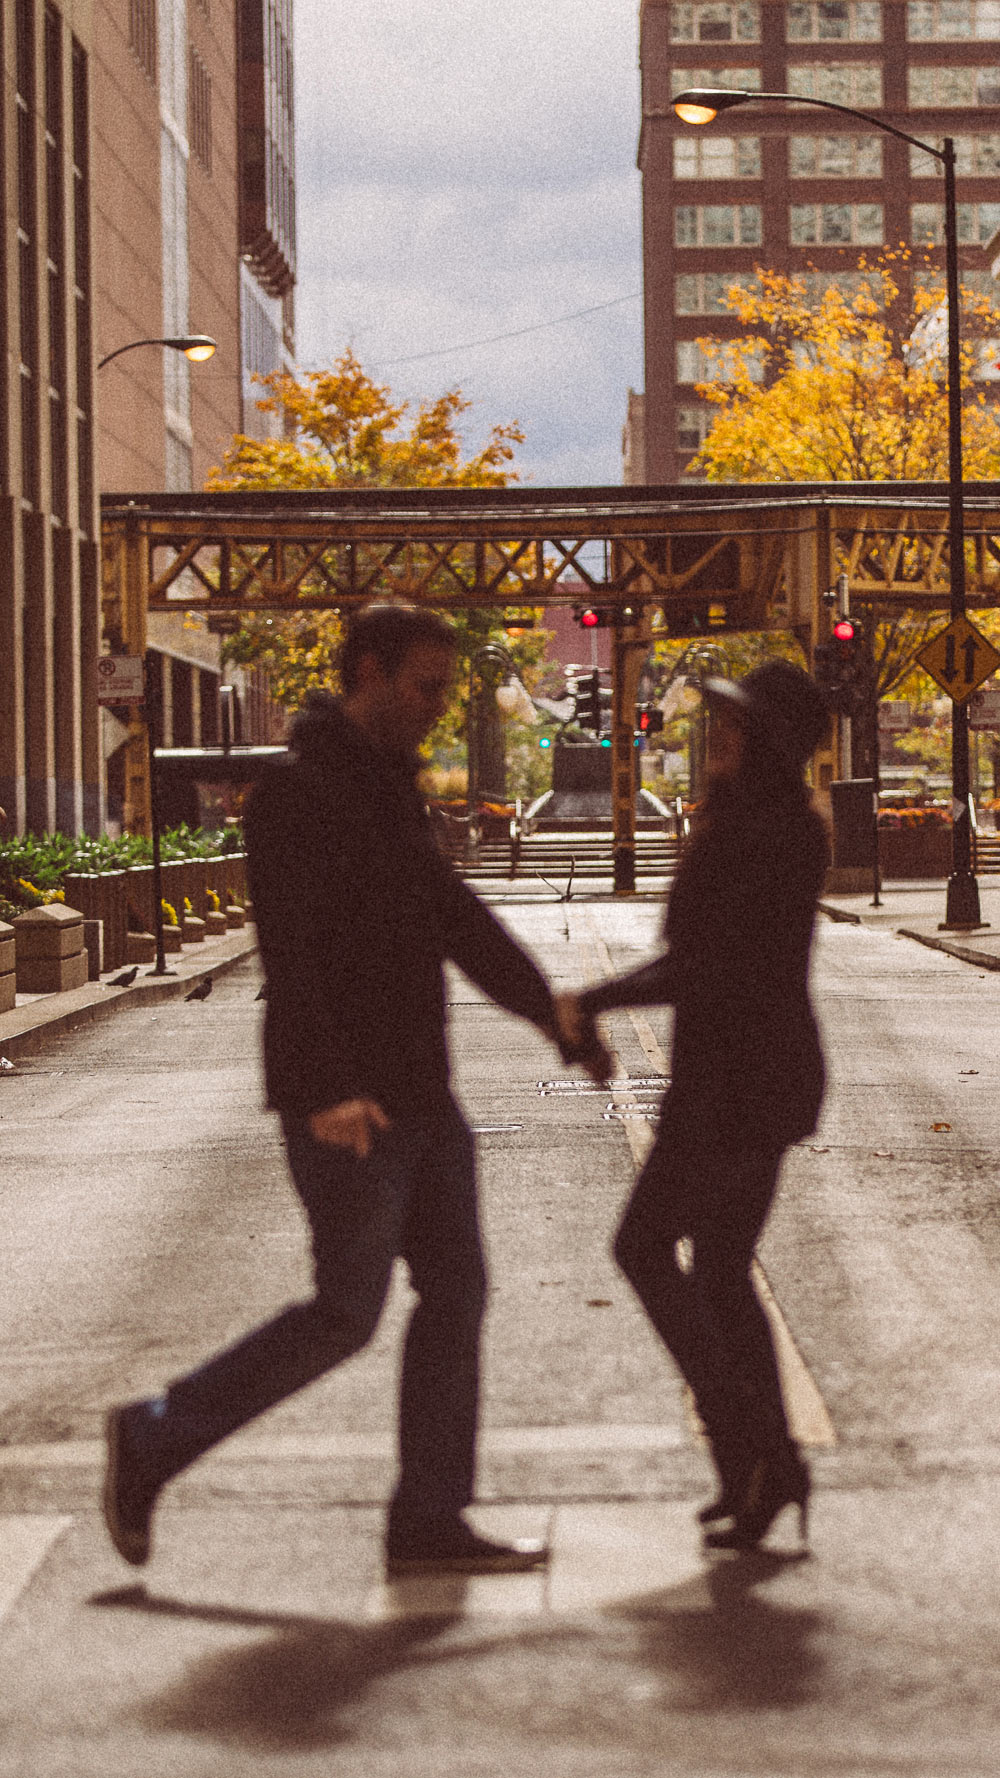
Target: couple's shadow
(710,1644)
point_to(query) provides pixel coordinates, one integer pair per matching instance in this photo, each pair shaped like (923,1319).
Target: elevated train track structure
(708,558)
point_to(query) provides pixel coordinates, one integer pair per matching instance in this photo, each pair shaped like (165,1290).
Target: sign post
(959,658)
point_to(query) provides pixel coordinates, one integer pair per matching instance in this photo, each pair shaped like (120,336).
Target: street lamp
(197,346)
(699,105)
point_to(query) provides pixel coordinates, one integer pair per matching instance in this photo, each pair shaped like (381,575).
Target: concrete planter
(142,947)
(216,923)
(192,930)
(172,940)
(50,951)
(235,917)
(8,977)
(915,852)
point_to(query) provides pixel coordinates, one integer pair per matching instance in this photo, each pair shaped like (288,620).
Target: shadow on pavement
(709,1645)
(717,1646)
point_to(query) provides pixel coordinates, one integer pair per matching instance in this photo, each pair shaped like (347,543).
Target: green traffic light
(545,741)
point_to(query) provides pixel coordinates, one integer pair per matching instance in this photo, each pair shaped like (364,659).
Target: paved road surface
(145,1217)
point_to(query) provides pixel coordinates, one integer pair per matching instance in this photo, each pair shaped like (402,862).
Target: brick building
(147,164)
(797,189)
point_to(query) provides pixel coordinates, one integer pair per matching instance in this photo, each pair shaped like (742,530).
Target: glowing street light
(198,347)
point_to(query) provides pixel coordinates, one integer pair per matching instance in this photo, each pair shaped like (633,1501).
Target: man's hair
(389,632)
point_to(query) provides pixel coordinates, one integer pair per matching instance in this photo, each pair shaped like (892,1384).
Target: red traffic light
(845,629)
(590,618)
(643,721)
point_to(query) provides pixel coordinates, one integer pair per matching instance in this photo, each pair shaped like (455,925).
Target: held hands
(353,1124)
(579,1039)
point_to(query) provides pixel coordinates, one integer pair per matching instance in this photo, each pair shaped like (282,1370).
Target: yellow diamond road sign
(959,658)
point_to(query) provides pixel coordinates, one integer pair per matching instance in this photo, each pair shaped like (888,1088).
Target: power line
(517,333)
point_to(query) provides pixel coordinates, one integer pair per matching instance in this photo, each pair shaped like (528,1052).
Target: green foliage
(33,866)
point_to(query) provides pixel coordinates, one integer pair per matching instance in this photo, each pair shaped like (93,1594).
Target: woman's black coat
(747,1067)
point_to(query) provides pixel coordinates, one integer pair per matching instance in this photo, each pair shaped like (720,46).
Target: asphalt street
(146,1218)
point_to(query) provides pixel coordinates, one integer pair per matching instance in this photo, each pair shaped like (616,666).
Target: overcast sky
(466,170)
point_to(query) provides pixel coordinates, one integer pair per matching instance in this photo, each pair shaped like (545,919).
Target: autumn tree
(338,428)
(849,385)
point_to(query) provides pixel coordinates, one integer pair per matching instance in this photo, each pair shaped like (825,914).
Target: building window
(736,79)
(943,86)
(695,365)
(704,293)
(833,21)
(717,225)
(693,426)
(726,21)
(81,291)
(142,35)
(942,21)
(846,83)
(835,225)
(835,157)
(27,251)
(816,284)
(55,206)
(977,223)
(976,157)
(716,157)
(200,105)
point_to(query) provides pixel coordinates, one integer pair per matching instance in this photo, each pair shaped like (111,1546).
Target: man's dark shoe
(130,1484)
(454,1548)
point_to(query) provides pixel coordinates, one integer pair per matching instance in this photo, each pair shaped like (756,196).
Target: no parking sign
(120,679)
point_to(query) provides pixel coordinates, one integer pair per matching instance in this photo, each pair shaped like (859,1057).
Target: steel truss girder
(240,553)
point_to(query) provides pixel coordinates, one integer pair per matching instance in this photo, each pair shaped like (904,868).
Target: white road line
(25,1541)
(810,1423)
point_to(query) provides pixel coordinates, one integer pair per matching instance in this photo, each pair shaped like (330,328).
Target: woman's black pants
(685,1245)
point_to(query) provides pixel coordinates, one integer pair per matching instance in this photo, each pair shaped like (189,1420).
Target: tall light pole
(198,347)
(699,105)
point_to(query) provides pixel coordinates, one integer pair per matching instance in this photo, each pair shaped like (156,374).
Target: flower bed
(914,842)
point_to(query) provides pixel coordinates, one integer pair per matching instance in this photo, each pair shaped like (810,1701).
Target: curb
(839,914)
(28,1028)
(953,948)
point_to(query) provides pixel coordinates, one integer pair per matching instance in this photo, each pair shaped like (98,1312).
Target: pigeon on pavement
(202,991)
(126,978)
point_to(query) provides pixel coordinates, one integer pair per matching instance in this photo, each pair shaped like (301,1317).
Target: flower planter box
(192,930)
(171,938)
(915,852)
(8,981)
(216,923)
(142,947)
(235,917)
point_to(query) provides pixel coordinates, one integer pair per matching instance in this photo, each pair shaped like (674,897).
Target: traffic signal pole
(629,648)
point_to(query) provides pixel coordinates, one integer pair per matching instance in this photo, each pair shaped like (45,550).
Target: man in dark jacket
(356,911)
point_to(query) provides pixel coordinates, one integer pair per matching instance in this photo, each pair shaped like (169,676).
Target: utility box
(50,950)
(853,823)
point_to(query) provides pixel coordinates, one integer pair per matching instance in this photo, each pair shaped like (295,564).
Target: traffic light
(599,617)
(841,666)
(648,719)
(588,701)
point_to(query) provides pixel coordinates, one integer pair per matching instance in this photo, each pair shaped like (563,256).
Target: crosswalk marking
(25,1541)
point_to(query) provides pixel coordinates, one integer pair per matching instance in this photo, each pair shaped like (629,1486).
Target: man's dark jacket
(747,1067)
(356,912)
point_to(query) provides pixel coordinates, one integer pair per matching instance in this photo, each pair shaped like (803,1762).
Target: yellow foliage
(836,388)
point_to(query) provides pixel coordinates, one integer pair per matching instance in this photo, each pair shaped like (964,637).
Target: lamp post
(699,105)
(197,346)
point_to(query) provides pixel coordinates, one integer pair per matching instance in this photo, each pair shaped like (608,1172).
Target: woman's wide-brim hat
(781,702)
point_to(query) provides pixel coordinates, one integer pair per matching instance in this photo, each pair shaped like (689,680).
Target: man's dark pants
(415,1196)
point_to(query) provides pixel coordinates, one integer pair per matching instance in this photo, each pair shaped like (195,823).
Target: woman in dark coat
(747,1080)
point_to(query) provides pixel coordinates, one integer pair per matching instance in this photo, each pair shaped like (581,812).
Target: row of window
(696,364)
(835,21)
(825,157)
(827,225)
(705,293)
(858,84)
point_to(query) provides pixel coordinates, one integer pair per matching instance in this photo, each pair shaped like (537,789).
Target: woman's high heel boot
(774,1482)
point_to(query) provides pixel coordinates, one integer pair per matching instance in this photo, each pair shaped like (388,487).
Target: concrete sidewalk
(917,910)
(38,1017)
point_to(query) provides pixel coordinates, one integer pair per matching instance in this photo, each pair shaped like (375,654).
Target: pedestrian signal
(841,666)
